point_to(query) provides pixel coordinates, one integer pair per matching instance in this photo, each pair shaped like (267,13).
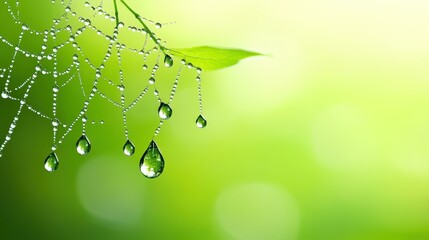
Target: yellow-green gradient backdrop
(324,138)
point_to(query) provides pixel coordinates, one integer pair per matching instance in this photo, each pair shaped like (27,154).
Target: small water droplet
(5,94)
(152,161)
(55,122)
(201,122)
(144,67)
(158,25)
(129,148)
(87,22)
(51,162)
(165,111)
(83,146)
(55,88)
(168,61)
(152,80)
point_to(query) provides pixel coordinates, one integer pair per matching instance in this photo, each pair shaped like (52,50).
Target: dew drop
(5,94)
(158,25)
(151,80)
(201,122)
(51,162)
(55,88)
(83,146)
(152,162)
(87,22)
(144,67)
(129,148)
(168,61)
(55,122)
(165,111)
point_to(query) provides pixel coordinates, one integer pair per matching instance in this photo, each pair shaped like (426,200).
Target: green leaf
(211,58)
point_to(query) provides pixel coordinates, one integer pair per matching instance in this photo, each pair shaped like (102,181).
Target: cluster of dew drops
(152,161)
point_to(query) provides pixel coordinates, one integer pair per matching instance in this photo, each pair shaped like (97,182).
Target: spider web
(63,58)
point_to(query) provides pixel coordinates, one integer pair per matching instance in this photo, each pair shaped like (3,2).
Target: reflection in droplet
(129,148)
(201,122)
(51,162)
(83,146)
(165,111)
(168,61)
(152,162)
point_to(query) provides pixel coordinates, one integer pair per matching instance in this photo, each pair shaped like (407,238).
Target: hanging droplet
(51,162)
(55,88)
(129,148)
(201,122)
(152,162)
(165,111)
(168,61)
(83,146)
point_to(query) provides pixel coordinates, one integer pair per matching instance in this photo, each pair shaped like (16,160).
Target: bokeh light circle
(257,211)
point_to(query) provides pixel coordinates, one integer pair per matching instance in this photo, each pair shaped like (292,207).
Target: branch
(116,13)
(151,34)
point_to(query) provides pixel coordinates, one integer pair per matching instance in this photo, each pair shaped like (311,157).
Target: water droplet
(151,80)
(83,146)
(51,162)
(87,22)
(168,61)
(165,111)
(55,88)
(5,94)
(55,122)
(129,148)
(144,67)
(158,25)
(152,162)
(201,122)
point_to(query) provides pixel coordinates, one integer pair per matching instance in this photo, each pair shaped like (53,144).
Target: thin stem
(116,12)
(162,48)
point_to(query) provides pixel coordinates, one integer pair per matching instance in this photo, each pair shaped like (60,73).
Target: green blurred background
(326,137)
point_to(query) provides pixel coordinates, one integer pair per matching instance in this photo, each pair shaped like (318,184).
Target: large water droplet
(165,111)
(152,162)
(129,148)
(168,61)
(201,122)
(51,162)
(83,146)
